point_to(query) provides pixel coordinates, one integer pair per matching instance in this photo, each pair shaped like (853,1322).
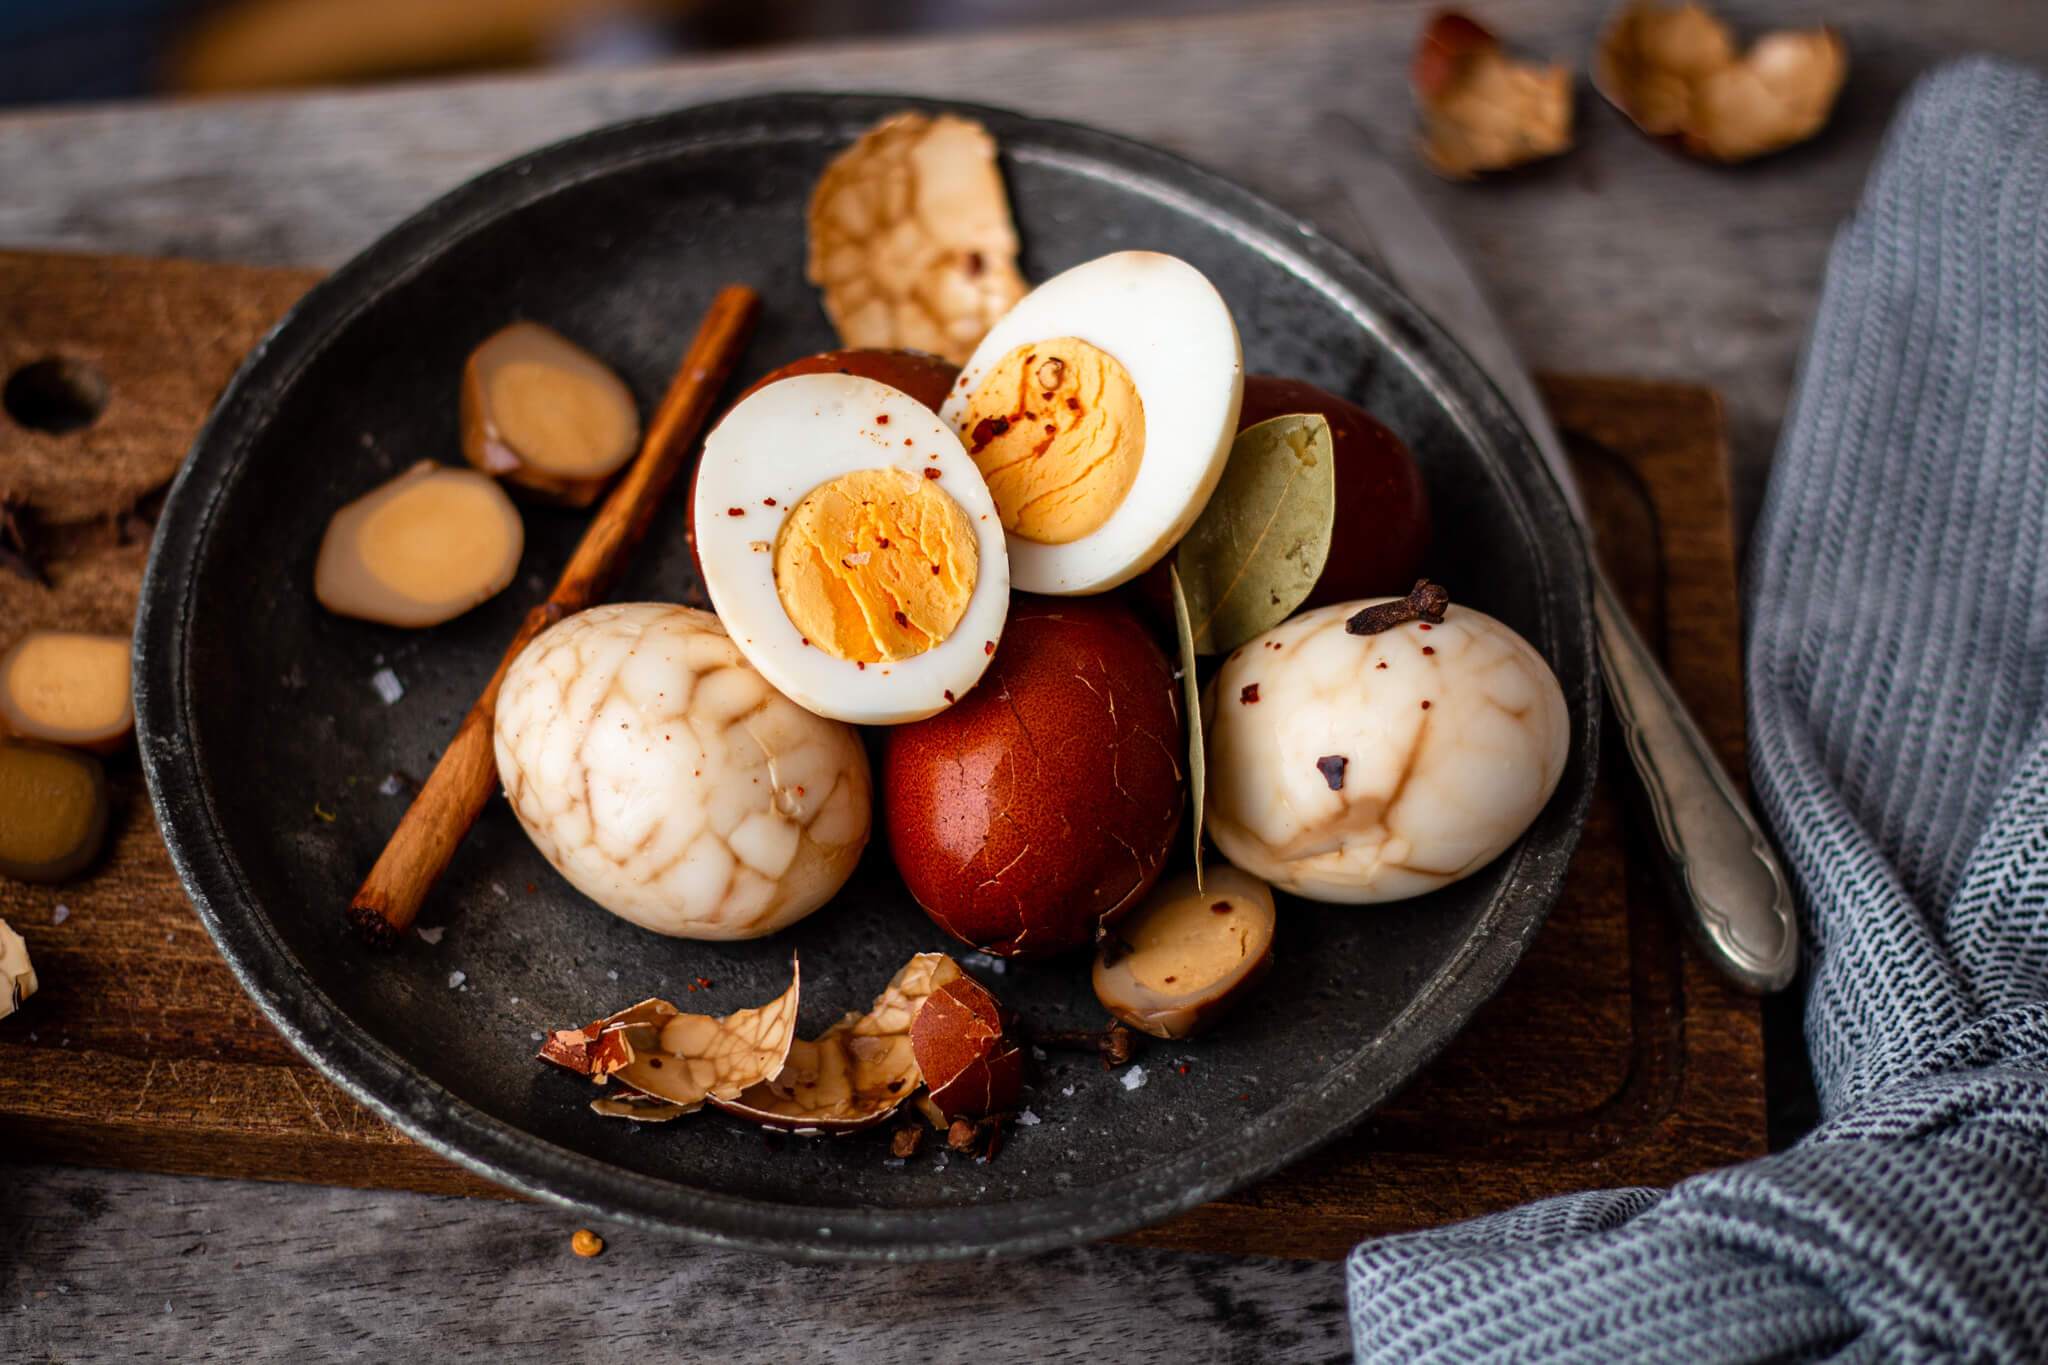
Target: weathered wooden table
(1618,259)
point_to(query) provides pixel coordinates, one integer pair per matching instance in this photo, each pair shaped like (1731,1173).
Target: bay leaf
(1258,548)
(1198,767)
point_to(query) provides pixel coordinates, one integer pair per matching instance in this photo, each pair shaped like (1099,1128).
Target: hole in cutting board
(55,395)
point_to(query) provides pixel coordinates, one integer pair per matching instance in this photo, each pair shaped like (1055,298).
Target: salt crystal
(538,1036)
(1037,1053)
(1134,1078)
(1068,1092)
(389,688)
(995,966)
(391,785)
(60,914)
(498,890)
(433,935)
(1027,1119)
(892,1161)
(611,976)
(455,979)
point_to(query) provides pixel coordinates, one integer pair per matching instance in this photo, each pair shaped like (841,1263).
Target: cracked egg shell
(858,1072)
(1187,953)
(1044,804)
(847,504)
(1362,768)
(669,782)
(971,1066)
(1102,454)
(925,377)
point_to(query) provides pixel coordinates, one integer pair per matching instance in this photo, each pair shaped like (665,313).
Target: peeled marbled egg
(663,776)
(1358,768)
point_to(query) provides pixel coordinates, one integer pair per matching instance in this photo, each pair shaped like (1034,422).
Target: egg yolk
(1058,432)
(876,565)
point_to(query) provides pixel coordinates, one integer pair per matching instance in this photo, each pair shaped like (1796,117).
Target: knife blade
(1736,900)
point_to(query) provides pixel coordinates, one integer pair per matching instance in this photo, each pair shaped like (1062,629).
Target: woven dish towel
(1898,693)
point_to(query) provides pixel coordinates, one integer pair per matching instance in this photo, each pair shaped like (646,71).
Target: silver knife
(1737,901)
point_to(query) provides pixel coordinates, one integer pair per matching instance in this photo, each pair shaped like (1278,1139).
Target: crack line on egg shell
(1030,740)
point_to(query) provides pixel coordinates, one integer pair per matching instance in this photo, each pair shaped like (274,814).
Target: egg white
(781,443)
(1163,321)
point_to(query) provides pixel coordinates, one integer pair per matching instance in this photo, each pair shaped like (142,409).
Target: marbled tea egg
(1356,768)
(663,776)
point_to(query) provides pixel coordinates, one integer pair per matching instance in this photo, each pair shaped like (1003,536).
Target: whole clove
(1426,601)
(1114,1044)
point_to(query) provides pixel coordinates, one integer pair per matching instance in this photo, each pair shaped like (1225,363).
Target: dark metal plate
(254,705)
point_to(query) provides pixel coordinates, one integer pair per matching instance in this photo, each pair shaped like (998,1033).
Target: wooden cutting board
(1613,1056)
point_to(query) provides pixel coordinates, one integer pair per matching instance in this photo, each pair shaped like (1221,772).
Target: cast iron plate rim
(501,1152)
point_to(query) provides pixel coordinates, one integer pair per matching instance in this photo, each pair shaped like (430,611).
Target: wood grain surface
(1606,1052)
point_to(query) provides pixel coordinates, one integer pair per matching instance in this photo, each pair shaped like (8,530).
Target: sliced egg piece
(1100,411)
(851,548)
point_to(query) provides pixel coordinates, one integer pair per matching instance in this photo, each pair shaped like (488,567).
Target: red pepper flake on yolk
(1332,766)
(986,430)
(1248,694)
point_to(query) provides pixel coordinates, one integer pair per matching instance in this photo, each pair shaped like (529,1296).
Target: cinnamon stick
(455,793)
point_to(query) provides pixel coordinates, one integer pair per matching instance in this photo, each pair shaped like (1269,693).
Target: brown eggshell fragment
(911,238)
(68,688)
(541,412)
(925,377)
(1677,73)
(1187,953)
(420,549)
(1042,804)
(1481,110)
(53,811)
(17,975)
(660,1053)
(971,1065)
(859,1072)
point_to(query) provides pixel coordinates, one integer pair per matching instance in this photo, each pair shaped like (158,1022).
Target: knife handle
(1739,904)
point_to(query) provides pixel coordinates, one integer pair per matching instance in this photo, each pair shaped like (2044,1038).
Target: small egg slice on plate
(1100,411)
(851,548)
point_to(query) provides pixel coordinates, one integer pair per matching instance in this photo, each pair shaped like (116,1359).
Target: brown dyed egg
(1044,802)
(925,377)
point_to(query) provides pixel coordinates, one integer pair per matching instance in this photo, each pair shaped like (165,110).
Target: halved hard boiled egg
(851,548)
(1100,411)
